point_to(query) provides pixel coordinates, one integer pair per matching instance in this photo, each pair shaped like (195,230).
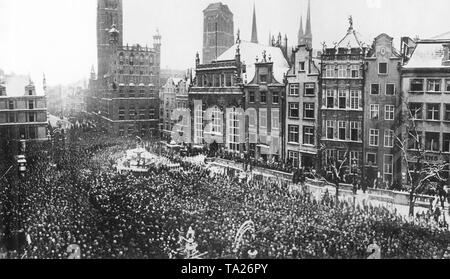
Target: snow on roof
(353,39)
(442,36)
(15,86)
(427,55)
(249,51)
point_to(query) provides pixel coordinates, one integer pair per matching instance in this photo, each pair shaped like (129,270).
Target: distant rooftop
(217,6)
(249,51)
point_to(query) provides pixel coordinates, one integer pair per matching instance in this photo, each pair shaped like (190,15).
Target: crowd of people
(75,197)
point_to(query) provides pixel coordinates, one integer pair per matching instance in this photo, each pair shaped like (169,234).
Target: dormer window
(30,92)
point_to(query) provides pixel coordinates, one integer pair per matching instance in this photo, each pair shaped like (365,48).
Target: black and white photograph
(250,130)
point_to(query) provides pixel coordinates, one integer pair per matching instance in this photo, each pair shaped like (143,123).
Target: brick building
(218,31)
(124,96)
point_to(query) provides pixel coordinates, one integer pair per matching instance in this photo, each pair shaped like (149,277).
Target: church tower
(308,33)
(218,31)
(254,28)
(109,13)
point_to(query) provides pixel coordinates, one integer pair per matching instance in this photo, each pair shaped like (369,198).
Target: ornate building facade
(342,103)
(124,95)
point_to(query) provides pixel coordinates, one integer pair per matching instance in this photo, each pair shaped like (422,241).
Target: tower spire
(301,35)
(308,32)
(254,29)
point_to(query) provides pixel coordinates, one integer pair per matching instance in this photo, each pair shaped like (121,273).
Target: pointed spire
(308,32)
(254,29)
(308,20)
(301,35)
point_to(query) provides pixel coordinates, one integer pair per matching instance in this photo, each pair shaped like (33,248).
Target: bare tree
(422,171)
(337,169)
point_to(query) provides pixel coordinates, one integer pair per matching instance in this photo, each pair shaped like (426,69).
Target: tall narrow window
(308,111)
(374,137)
(330,129)
(374,111)
(330,98)
(355,97)
(388,138)
(389,112)
(308,135)
(342,99)
(355,71)
(342,130)
(293,136)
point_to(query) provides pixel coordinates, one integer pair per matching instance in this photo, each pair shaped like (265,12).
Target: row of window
(308,134)
(432,111)
(388,162)
(433,85)
(389,112)
(31,104)
(216,80)
(342,71)
(343,99)
(432,141)
(30,117)
(374,136)
(308,110)
(263,97)
(375,89)
(340,130)
(309,89)
(136,114)
(132,60)
(132,72)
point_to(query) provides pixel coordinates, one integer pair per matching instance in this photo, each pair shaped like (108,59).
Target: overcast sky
(58,37)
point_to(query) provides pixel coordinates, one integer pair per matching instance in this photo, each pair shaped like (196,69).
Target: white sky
(58,37)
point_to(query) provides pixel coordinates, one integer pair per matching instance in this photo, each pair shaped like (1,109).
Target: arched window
(142,60)
(152,61)
(132,59)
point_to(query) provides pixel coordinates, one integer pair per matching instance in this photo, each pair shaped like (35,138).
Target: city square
(260,149)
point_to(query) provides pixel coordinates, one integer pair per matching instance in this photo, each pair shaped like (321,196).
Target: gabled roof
(249,51)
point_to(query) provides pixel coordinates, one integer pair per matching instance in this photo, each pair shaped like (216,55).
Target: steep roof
(428,54)
(249,51)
